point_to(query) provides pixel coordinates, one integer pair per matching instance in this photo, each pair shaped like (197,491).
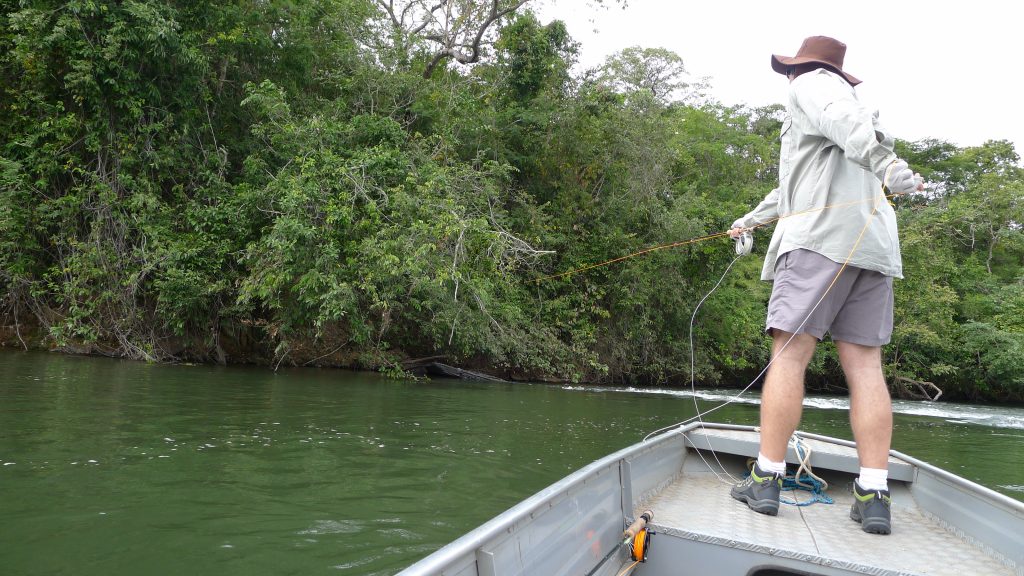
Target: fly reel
(744,243)
(640,545)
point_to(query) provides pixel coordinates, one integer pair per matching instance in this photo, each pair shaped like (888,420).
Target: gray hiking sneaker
(871,509)
(760,491)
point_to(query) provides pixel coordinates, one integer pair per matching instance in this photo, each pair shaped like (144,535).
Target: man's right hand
(735,232)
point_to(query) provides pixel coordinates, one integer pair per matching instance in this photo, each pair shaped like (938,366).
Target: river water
(111,467)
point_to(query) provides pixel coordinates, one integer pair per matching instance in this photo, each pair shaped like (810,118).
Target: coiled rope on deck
(805,478)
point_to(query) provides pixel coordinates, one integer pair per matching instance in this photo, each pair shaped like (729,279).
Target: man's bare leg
(870,406)
(871,420)
(783,395)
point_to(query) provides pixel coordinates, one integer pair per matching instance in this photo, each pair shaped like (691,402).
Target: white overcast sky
(945,70)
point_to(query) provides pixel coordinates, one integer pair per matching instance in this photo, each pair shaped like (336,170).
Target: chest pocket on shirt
(786,148)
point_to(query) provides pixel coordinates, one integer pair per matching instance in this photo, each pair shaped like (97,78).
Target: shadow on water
(121,467)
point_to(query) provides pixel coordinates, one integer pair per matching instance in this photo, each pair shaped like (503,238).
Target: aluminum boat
(942,524)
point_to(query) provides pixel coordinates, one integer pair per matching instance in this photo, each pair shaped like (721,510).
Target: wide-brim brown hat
(821,49)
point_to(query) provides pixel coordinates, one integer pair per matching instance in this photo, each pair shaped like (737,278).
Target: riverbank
(252,351)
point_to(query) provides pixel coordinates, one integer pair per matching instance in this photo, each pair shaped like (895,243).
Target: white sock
(768,466)
(873,478)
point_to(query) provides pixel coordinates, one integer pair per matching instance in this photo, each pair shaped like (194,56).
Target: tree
(950,170)
(957,309)
(532,56)
(990,213)
(455,29)
(458,30)
(120,230)
(658,71)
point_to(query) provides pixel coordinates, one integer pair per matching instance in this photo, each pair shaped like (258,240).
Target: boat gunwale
(471,541)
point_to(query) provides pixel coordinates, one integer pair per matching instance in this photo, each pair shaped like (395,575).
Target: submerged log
(924,390)
(431,367)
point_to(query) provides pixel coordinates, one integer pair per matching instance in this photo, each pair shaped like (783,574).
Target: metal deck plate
(697,506)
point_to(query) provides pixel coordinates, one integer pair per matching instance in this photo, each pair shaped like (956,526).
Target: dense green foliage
(279,182)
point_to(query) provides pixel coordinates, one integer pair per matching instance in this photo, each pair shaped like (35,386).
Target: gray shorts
(858,308)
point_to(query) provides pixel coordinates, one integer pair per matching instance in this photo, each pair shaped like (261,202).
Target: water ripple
(333,527)
(993,416)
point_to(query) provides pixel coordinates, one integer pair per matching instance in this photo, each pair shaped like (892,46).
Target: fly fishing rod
(745,240)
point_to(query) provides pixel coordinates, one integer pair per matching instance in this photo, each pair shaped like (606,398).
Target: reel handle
(638,525)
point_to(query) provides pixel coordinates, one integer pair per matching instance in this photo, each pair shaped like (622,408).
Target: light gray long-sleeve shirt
(833,159)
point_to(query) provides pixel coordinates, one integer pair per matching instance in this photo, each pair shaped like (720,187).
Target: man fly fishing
(832,270)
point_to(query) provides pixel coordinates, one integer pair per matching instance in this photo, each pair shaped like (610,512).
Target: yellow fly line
(707,237)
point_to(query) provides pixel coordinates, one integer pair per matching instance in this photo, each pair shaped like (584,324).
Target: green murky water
(111,467)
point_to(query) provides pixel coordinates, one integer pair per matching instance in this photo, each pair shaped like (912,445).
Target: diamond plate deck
(697,506)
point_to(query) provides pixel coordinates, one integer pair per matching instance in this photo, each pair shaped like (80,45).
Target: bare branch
(389,7)
(458,32)
(427,21)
